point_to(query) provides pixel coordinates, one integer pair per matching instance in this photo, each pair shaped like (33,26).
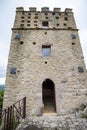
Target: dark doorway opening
(48,93)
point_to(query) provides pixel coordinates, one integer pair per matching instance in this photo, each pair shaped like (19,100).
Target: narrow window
(73,36)
(22,25)
(13,71)
(46,17)
(17,36)
(46,50)
(73,43)
(57,24)
(28,21)
(35,21)
(57,17)
(29,17)
(22,21)
(45,24)
(66,18)
(22,17)
(36,17)
(36,14)
(65,24)
(28,24)
(80,69)
(35,24)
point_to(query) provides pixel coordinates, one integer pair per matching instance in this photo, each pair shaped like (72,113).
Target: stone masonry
(45,51)
(50,122)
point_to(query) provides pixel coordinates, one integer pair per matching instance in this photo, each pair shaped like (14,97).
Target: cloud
(2,80)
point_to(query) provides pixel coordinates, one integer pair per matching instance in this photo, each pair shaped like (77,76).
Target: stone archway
(48,96)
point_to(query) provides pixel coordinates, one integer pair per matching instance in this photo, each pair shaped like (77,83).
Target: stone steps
(53,122)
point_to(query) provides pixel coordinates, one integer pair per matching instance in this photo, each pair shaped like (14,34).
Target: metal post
(24,107)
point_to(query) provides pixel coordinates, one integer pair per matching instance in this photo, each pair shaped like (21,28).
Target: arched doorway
(48,96)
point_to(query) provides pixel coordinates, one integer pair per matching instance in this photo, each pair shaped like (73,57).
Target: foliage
(1,98)
(84,116)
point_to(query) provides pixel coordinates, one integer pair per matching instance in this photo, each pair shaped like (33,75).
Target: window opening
(46,50)
(36,17)
(73,36)
(28,24)
(73,43)
(57,17)
(45,32)
(54,28)
(59,14)
(35,21)
(29,14)
(22,17)
(80,69)
(21,42)
(45,62)
(34,43)
(22,25)
(57,24)
(28,21)
(13,71)
(66,18)
(22,21)
(35,24)
(36,14)
(64,24)
(17,36)
(45,24)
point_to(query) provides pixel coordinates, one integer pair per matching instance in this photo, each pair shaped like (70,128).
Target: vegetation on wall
(1,98)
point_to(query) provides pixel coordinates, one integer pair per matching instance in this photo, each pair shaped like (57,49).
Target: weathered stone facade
(29,71)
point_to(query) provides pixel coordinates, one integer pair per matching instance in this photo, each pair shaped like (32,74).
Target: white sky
(7,14)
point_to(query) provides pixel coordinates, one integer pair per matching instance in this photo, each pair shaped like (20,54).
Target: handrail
(12,116)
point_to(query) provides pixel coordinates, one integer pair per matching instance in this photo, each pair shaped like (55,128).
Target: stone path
(47,122)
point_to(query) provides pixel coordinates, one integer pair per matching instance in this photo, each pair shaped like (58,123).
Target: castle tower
(45,62)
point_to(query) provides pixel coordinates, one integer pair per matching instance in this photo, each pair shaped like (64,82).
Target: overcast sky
(7,15)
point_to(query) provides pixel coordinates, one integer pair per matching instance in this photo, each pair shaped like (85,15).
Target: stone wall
(65,66)
(68,122)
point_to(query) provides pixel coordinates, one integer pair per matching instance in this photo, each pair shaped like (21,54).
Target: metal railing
(12,116)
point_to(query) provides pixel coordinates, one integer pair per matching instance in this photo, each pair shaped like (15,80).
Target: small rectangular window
(73,36)
(13,71)
(46,50)
(45,24)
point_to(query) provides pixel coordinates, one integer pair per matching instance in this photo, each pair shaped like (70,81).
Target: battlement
(44,9)
(44,19)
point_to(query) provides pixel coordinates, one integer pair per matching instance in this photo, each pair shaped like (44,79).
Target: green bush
(1,98)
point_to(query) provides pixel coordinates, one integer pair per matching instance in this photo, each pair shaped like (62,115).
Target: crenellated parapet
(33,18)
(44,9)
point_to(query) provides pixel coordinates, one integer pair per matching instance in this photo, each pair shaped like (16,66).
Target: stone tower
(45,62)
